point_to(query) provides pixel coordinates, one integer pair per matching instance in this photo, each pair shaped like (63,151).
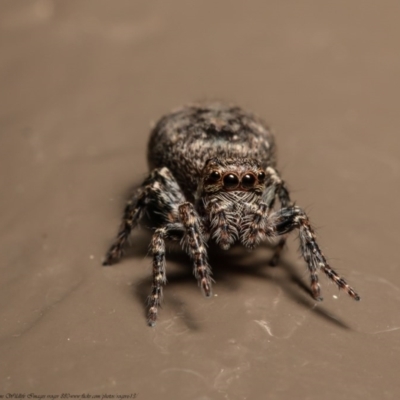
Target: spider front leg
(290,218)
(187,225)
(159,274)
(195,245)
(157,247)
(276,187)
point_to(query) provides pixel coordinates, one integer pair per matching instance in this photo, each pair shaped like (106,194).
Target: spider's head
(232,175)
(228,190)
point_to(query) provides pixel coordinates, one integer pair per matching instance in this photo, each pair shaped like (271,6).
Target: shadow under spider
(227,267)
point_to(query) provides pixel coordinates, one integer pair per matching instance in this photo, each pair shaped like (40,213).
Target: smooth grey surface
(81,81)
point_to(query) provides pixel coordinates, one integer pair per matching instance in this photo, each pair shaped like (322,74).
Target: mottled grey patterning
(213,177)
(185,139)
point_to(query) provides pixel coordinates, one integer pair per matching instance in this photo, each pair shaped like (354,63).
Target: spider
(213,177)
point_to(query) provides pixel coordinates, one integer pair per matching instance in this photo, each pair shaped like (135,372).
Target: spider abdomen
(185,139)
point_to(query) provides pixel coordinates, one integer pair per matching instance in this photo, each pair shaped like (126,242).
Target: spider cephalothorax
(229,192)
(213,177)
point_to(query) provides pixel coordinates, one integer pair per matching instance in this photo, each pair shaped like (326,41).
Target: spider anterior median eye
(231,181)
(248,180)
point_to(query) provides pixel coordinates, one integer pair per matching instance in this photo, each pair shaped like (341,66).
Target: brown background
(80,83)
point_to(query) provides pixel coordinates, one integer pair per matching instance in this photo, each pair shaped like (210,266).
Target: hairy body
(184,140)
(213,177)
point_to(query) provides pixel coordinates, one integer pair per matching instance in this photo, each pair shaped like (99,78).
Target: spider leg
(290,218)
(195,245)
(278,188)
(162,199)
(187,223)
(157,247)
(159,191)
(132,214)
(159,275)
(188,226)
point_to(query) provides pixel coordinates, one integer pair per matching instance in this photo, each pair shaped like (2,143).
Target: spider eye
(231,181)
(214,176)
(248,180)
(261,176)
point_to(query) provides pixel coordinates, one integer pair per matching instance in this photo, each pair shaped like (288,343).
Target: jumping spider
(213,176)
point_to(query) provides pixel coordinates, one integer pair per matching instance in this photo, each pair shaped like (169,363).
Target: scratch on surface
(172,330)
(382,280)
(396,328)
(264,325)
(167,329)
(226,376)
(287,333)
(277,299)
(185,370)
